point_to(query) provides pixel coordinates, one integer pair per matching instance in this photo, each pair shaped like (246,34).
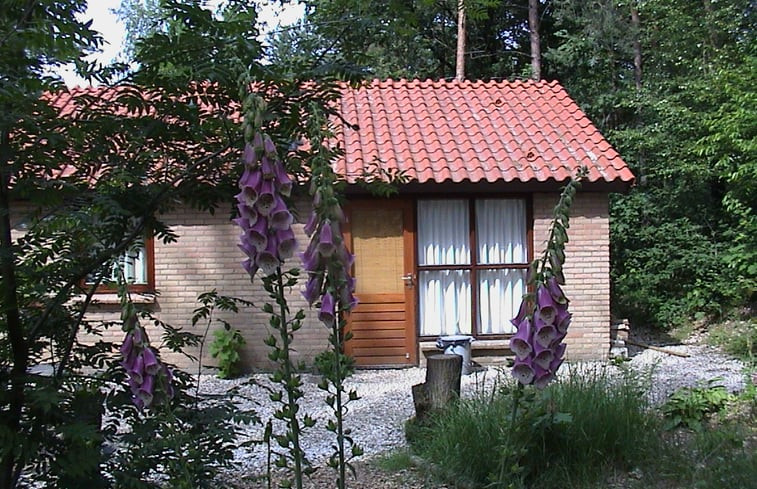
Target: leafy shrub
(225,348)
(570,433)
(690,406)
(739,338)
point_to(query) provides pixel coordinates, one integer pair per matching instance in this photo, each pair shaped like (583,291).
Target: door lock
(409,280)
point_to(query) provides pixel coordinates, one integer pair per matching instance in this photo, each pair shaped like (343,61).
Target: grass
(580,432)
(739,338)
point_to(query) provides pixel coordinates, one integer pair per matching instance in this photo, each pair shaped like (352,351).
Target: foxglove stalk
(150,381)
(264,218)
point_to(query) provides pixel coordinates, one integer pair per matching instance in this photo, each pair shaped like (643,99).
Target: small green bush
(739,338)
(691,406)
(225,347)
(565,436)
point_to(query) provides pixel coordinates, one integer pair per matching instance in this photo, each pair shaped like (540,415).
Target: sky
(105,21)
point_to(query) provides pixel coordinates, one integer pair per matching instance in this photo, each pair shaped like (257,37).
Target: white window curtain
(499,297)
(445,302)
(501,231)
(443,232)
(133,264)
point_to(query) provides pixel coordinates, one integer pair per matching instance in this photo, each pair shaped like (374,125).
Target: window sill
(475,345)
(112,298)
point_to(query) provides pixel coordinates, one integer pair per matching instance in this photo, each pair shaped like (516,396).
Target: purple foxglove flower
(247,196)
(545,305)
(247,248)
(249,266)
(327,314)
(523,372)
(257,142)
(280,218)
(249,155)
(345,257)
(556,362)
(268,145)
(134,386)
(313,288)
(247,212)
(287,243)
(267,260)
(542,377)
(556,292)
(267,198)
(283,182)
(250,179)
(520,344)
(312,224)
(151,364)
(242,222)
(558,352)
(310,261)
(257,235)
(544,334)
(139,336)
(127,346)
(168,376)
(543,356)
(347,299)
(522,314)
(138,370)
(326,246)
(138,402)
(267,166)
(562,321)
(146,391)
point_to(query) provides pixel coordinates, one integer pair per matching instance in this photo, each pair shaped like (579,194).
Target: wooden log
(443,376)
(657,348)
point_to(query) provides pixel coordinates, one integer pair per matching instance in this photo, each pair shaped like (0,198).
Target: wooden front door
(383,322)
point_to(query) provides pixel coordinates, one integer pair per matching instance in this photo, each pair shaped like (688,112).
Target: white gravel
(385,403)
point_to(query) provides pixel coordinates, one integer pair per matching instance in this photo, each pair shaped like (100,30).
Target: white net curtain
(444,243)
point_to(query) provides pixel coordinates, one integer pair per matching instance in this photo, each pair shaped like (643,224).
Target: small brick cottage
(483,164)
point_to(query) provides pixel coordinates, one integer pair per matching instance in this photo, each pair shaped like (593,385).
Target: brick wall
(587,270)
(206,257)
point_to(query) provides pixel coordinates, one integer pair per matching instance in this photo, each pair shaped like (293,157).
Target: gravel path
(377,418)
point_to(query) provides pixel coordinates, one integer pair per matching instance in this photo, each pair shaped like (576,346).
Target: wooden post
(443,375)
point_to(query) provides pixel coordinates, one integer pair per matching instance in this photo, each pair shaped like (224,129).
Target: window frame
(474,267)
(146,288)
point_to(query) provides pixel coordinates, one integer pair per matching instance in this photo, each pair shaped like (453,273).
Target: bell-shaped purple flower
(523,372)
(247,248)
(327,313)
(152,367)
(544,333)
(249,155)
(257,235)
(267,167)
(556,291)
(521,343)
(283,182)
(562,321)
(543,356)
(268,259)
(313,288)
(146,390)
(542,377)
(312,224)
(249,266)
(266,199)
(247,196)
(248,213)
(287,244)
(269,146)
(280,218)
(326,246)
(242,222)
(546,308)
(251,179)
(137,371)
(127,346)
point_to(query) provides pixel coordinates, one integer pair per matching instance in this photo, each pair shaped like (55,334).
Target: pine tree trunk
(636,24)
(533,27)
(443,375)
(460,53)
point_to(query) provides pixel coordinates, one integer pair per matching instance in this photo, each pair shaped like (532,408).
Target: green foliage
(567,435)
(691,406)
(739,338)
(225,348)
(401,459)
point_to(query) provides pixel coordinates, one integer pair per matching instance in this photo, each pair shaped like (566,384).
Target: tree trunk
(533,28)
(460,53)
(443,375)
(636,24)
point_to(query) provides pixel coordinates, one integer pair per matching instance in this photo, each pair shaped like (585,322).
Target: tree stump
(443,374)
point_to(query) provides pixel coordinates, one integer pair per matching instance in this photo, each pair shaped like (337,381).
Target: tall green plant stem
(286,364)
(337,343)
(516,401)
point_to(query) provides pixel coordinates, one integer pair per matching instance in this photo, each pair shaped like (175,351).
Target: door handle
(409,280)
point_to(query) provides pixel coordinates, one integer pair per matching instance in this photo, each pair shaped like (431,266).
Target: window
(137,266)
(472,262)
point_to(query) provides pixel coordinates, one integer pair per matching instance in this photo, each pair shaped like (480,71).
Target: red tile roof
(437,131)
